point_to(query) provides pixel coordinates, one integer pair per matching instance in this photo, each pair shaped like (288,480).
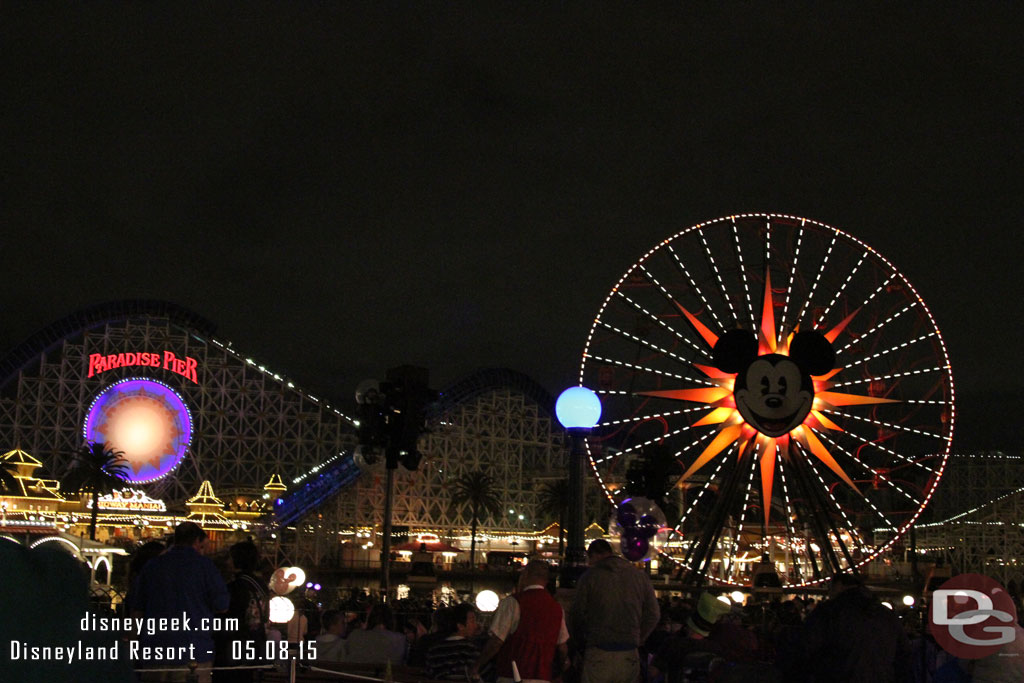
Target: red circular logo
(972,616)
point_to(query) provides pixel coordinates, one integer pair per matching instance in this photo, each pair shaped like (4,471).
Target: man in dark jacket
(851,638)
(182,584)
(613,611)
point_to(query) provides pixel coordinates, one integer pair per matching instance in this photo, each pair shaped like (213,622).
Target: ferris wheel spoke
(878,327)
(668,296)
(663,437)
(887,425)
(895,375)
(743,513)
(846,283)
(826,488)
(817,278)
(792,280)
(661,322)
(700,494)
(791,532)
(650,345)
(889,350)
(743,275)
(644,368)
(815,505)
(851,528)
(690,289)
(889,451)
(718,277)
(874,473)
(652,416)
(693,285)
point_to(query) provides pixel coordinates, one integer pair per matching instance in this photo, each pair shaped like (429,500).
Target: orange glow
(825,422)
(713,373)
(766,342)
(731,427)
(768,476)
(705,395)
(725,438)
(834,333)
(821,380)
(716,416)
(710,337)
(836,399)
(811,440)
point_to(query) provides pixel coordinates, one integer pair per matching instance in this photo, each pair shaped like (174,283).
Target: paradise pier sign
(186,367)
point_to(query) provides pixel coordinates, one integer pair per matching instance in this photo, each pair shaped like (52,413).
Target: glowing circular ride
(787,387)
(147,421)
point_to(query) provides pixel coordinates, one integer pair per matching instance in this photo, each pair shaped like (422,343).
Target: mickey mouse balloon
(796,380)
(640,527)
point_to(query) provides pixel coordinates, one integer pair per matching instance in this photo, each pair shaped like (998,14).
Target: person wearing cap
(528,631)
(613,612)
(708,643)
(180,583)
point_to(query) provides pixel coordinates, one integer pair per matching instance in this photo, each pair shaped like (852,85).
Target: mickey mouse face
(770,395)
(773,392)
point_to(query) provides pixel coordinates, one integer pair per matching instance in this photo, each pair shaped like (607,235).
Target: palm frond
(478,490)
(554,498)
(99,467)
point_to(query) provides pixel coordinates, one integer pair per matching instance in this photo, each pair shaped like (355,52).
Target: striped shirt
(451,658)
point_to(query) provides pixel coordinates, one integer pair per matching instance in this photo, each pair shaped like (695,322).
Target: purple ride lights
(161,401)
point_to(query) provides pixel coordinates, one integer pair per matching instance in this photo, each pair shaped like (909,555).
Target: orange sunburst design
(733,429)
(144,428)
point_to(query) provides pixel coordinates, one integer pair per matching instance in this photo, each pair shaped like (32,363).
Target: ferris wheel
(784,390)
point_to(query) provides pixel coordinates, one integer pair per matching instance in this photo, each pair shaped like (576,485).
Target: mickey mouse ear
(734,350)
(812,352)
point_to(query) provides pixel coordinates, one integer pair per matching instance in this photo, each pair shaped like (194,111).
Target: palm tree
(554,500)
(100,469)
(478,490)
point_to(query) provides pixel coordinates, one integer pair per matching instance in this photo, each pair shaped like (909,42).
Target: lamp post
(578,409)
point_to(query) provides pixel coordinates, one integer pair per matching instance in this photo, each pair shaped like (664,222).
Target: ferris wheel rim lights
(797,226)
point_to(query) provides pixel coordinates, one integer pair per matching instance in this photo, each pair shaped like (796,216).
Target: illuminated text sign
(186,367)
(129,499)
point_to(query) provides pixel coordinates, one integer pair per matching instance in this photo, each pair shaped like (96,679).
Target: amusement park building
(251,427)
(248,423)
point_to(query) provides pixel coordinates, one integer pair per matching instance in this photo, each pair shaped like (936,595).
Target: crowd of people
(610,629)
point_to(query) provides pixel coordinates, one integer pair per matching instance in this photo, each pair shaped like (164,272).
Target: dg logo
(972,616)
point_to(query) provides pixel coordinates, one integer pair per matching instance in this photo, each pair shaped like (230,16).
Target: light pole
(578,409)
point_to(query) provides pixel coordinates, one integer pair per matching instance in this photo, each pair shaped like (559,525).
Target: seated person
(376,643)
(330,645)
(451,658)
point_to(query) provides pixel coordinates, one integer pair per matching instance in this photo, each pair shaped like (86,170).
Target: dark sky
(345,187)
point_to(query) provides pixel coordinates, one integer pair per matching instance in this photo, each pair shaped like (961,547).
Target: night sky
(346,187)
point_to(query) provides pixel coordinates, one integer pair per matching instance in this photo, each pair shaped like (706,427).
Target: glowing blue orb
(578,408)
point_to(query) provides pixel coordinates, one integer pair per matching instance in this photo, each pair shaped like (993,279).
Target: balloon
(626,515)
(641,528)
(648,525)
(634,546)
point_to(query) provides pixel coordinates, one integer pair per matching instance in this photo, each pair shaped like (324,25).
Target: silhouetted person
(851,638)
(613,612)
(249,605)
(180,582)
